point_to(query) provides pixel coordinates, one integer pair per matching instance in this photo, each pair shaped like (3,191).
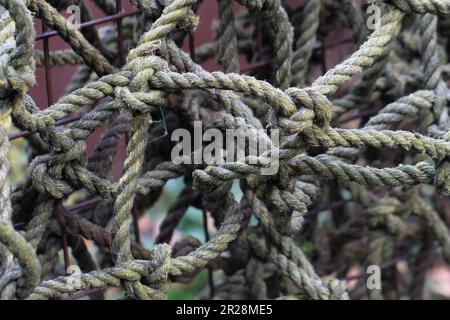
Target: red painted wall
(61,75)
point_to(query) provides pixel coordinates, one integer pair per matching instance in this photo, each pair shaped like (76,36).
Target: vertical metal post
(48,75)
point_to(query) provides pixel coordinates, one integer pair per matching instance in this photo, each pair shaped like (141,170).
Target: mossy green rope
(159,75)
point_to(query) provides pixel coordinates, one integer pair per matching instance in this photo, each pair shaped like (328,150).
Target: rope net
(364,171)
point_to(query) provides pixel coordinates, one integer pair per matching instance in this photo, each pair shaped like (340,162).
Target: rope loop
(313,108)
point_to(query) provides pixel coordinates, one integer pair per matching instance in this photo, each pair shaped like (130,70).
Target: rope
(398,145)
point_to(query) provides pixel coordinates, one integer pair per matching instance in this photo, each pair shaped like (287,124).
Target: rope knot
(385,214)
(160,267)
(138,97)
(47,171)
(145,67)
(44,182)
(13,85)
(140,102)
(81,177)
(288,209)
(13,80)
(317,109)
(154,279)
(337,289)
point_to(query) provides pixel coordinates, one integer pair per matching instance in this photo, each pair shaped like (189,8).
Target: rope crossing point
(375,183)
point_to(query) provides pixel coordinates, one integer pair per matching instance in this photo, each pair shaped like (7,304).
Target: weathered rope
(403,80)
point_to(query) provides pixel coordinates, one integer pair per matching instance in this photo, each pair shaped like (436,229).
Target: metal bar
(323,60)
(320,45)
(60,219)
(48,77)
(331,206)
(259,39)
(78,206)
(137,231)
(120,36)
(93,22)
(210,271)
(85,204)
(360,114)
(255,65)
(192,46)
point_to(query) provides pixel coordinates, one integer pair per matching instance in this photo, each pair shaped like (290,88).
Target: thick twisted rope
(158,78)
(17,73)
